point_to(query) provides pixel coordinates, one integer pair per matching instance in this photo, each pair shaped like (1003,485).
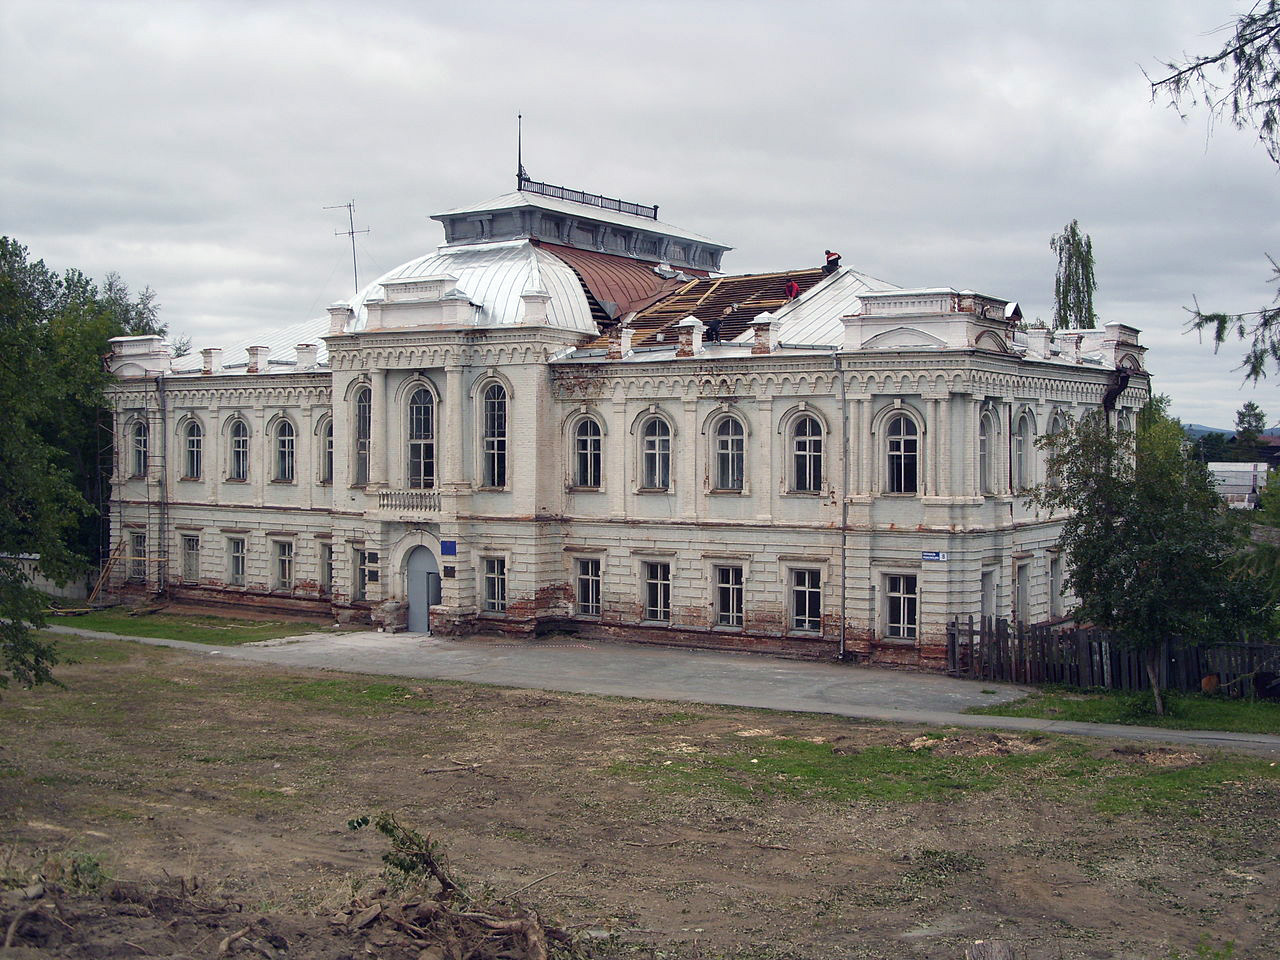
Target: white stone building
(565,417)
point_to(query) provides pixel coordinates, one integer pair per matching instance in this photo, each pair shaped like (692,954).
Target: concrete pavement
(693,676)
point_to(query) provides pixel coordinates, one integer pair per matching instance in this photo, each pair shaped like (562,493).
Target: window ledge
(727,492)
(804,494)
(190,479)
(901,494)
(573,489)
(286,483)
(493,490)
(236,480)
(649,491)
(655,623)
(899,641)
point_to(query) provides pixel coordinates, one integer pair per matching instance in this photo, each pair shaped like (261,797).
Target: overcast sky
(192,146)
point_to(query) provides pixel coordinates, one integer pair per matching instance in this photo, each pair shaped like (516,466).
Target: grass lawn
(194,627)
(1183,711)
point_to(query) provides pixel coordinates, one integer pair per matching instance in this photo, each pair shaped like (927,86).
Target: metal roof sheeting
(816,316)
(493,276)
(283,342)
(620,284)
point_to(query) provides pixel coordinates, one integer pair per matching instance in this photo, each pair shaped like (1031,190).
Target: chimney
(339,317)
(258,359)
(762,330)
(210,360)
(619,342)
(306,355)
(690,331)
(1038,339)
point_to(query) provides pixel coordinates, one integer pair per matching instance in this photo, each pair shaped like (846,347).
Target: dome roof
(493,276)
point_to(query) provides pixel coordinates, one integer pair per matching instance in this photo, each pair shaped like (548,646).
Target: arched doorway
(422,587)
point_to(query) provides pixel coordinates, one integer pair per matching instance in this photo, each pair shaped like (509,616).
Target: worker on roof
(792,289)
(833,262)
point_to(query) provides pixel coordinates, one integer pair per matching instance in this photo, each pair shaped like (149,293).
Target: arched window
(904,455)
(139,448)
(655,455)
(806,455)
(587,454)
(364,414)
(326,453)
(422,439)
(284,451)
(194,450)
(985,470)
(239,451)
(494,445)
(1022,453)
(731,447)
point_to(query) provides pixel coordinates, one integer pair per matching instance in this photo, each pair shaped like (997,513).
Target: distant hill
(1197,430)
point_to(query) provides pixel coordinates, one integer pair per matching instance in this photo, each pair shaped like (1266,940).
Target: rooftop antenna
(351,232)
(521,175)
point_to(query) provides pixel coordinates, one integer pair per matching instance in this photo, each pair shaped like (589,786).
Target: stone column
(763,471)
(617,445)
(378,427)
(946,488)
(211,454)
(973,431)
(262,455)
(306,459)
(857,444)
(453,443)
(871,454)
(933,447)
(685,449)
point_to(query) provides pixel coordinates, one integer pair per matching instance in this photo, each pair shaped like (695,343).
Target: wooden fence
(992,649)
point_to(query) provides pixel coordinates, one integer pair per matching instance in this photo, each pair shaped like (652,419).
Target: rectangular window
(364,430)
(1056,606)
(806,600)
(588,588)
(284,564)
(729,596)
(191,559)
(326,568)
(657,591)
(495,436)
(901,607)
(284,453)
(366,572)
(195,451)
(326,458)
(495,584)
(138,557)
(1021,593)
(235,565)
(988,593)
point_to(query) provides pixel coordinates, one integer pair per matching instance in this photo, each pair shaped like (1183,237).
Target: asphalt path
(692,676)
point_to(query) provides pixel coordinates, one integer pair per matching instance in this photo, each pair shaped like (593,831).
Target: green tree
(1074,284)
(1250,423)
(53,334)
(1147,540)
(1241,82)
(1212,448)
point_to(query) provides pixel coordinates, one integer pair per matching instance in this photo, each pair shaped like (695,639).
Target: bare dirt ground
(654,829)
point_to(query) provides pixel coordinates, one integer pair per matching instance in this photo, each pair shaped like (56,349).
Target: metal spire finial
(521,175)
